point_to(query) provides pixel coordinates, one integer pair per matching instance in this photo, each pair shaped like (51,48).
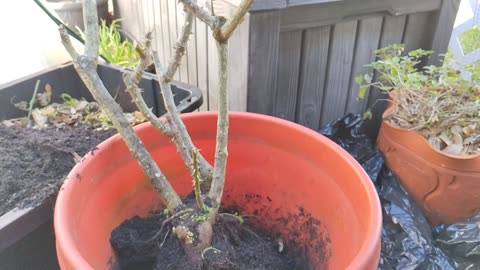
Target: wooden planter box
(296,59)
(26,235)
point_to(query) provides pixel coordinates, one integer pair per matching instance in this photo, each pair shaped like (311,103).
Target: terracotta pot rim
(362,257)
(420,137)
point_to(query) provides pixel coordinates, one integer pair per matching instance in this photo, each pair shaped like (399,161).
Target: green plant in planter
(435,101)
(118,52)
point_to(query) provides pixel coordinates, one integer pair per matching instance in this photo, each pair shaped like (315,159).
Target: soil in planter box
(34,162)
(138,246)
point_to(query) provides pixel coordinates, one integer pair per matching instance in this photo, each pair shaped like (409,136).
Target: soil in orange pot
(138,244)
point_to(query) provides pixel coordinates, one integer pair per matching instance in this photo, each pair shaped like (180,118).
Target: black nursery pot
(26,235)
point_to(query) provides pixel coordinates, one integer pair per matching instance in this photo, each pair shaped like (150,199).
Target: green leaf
(69,100)
(367,78)
(22,105)
(359,79)
(386,88)
(361,91)
(367,115)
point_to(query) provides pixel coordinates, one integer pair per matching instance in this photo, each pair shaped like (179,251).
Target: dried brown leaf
(49,110)
(39,118)
(445,138)
(22,105)
(436,143)
(140,117)
(43,99)
(8,123)
(468,130)
(81,105)
(457,138)
(453,149)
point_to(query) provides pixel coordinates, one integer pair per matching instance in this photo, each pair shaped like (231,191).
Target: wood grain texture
(392,33)
(367,41)
(291,3)
(268,5)
(125,9)
(281,4)
(290,46)
(183,68)
(443,31)
(140,18)
(202,62)
(263,55)
(167,44)
(307,16)
(158,30)
(213,62)
(192,56)
(418,31)
(150,22)
(172,22)
(238,66)
(339,71)
(312,77)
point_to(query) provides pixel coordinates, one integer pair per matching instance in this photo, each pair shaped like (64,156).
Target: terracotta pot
(445,187)
(277,170)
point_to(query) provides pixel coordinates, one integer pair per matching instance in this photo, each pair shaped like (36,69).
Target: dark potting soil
(34,162)
(139,245)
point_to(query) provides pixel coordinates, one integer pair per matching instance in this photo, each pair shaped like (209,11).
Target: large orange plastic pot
(292,180)
(446,187)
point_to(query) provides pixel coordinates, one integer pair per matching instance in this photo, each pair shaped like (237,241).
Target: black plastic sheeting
(408,240)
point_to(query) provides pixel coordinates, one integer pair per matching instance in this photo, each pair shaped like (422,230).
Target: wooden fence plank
(312,78)
(212,72)
(167,45)
(192,56)
(290,45)
(140,18)
(443,31)
(172,18)
(418,31)
(392,33)
(263,55)
(158,30)
(183,69)
(238,66)
(367,41)
(308,16)
(339,71)
(202,62)
(150,24)
(126,10)
(269,4)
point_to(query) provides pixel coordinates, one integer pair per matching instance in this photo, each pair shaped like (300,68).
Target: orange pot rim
(420,137)
(361,258)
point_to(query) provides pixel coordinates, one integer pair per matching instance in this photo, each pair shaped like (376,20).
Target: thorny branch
(86,66)
(176,129)
(196,181)
(221,151)
(222,30)
(180,134)
(132,81)
(200,12)
(232,23)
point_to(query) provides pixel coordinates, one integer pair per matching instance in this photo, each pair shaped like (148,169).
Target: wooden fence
(297,59)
